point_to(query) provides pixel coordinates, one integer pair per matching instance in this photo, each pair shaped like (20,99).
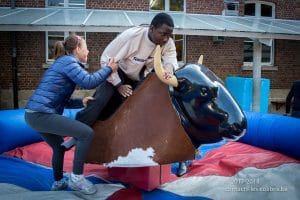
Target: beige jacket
(132,49)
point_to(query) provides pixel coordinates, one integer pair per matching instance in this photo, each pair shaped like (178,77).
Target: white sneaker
(81,184)
(62,184)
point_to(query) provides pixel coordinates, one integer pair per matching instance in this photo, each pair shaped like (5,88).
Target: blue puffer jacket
(58,84)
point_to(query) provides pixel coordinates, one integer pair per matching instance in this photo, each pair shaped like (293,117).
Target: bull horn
(159,70)
(200,61)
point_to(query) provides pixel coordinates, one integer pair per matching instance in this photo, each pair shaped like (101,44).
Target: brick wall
(119,4)
(5,59)
(96,43)
(30,57)
(5,3)
(286,9)
(204,6)
(225,59)
(24,3)
(288,61)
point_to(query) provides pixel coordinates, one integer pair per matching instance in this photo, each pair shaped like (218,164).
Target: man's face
(160,35)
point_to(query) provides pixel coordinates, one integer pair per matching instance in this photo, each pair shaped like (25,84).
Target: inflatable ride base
(153,176)
(268,131)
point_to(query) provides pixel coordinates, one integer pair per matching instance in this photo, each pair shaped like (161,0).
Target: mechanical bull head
(207,111)
(160,126)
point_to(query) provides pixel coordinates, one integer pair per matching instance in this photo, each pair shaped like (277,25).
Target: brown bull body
(146,119)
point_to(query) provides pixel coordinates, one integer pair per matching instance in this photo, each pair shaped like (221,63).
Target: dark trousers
(52,128)
(106,100)
(295,114)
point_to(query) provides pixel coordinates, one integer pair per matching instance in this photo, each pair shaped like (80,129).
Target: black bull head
(148,125)
(207,111)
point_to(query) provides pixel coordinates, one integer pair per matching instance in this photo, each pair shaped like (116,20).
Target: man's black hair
(162,18)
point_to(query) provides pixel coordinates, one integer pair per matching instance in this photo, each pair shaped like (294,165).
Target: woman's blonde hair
(59,49)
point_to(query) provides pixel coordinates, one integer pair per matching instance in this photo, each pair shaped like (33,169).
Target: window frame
(183,51)
(231,12)
(265,65)
(66,4)
(48,60)
(258,8)
(66,33)
(167,6)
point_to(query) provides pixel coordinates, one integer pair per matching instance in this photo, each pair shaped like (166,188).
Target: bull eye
(203,92)
(183,86)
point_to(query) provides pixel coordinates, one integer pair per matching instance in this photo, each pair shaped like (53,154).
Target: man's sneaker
(62,184)
(182,168)
(81,184)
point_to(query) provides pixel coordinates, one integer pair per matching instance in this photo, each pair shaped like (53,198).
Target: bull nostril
(238,130)
(232,131)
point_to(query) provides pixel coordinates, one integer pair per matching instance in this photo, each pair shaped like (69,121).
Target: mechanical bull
(165,121)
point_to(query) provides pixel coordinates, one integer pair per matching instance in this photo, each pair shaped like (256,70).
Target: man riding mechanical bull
(183,109)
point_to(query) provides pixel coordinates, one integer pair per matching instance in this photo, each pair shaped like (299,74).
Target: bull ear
(160,71)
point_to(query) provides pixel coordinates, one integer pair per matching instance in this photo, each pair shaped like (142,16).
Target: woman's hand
(113,65)
(125,90)
(85,100)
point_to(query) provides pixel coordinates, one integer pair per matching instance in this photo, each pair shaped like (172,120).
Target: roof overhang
(88,20)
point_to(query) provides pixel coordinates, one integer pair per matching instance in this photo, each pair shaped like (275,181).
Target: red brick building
(226,56)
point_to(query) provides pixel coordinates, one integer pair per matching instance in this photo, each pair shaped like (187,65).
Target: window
(51,38)
(259,9)
(231,7)
(157,5)
(266,10)
(168,5)
(176,6)
(179,43)
(266,57)
(250,9)
(66,3)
